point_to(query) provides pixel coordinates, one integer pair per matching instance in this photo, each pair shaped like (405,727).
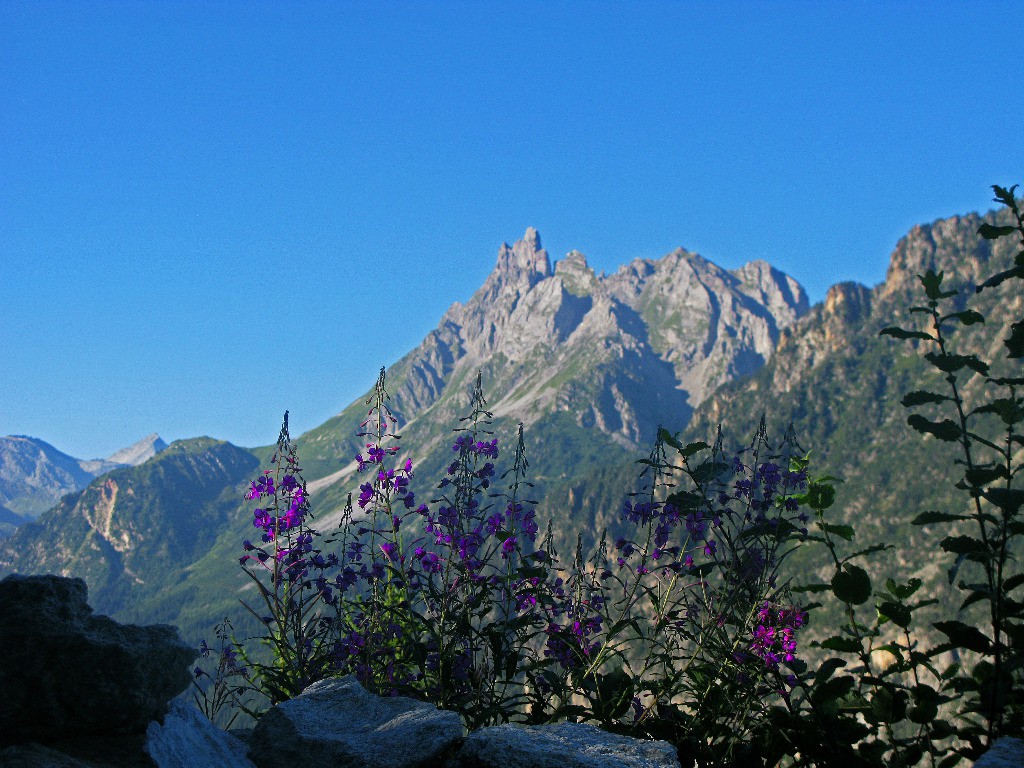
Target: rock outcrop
(337,722)
(186,739)
(618,353)
(1004,753)
(136,454)
(66,673)
(565,745)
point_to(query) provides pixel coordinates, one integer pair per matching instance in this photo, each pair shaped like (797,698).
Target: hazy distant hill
(131,532)
(34,475)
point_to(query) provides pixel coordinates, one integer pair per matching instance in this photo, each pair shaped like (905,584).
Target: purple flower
(508,547)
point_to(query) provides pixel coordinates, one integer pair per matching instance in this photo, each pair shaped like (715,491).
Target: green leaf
(844,531)
(967,317)
(1009,500)
(871,550)
(692,448)
(1006,408)
(708,471)
(964,545)
(920,397)
(1004,196)
(669,439)
(832,689)
(533,572)
(932,283)
(981,476)
(953,363)
(923,712)
(897,613)
(841,644)
(903,591)
(899,333)
(826,669)
(820,496)
(933,516)
(990,232)
(615,691)
(974,597)
(964,636)
(1001,277)
(684,500)
(944,430)
(852,585)
(1015,632)
(889,706)
(1013,582)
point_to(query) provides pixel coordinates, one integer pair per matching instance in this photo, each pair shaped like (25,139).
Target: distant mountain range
(592,364)
(34,475)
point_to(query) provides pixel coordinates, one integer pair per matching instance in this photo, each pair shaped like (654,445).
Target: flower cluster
(773,639)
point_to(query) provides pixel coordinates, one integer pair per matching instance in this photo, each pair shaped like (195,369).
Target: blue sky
(211,212)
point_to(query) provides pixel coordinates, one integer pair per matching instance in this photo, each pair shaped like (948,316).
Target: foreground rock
(566,745)
(187,739)
(83,752)
(1004,753)
(338,723)
(66,673)
(37,756)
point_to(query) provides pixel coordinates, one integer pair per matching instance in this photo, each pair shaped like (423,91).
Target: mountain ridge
(602,364)
(34,475)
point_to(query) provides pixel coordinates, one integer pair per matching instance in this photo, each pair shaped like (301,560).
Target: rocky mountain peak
(672,328)
(950,245)
(850,301)
(576,275)
(525,259)
(145,449)
(776,290)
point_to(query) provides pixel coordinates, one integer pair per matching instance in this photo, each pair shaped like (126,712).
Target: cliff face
(840,384)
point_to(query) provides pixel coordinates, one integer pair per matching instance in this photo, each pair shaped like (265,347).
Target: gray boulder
(37,756)
(338,723)
(83,752)
(187,739)
(66,673)
(565,745)
(1004,753)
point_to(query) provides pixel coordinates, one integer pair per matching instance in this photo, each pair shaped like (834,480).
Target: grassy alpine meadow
(691,628)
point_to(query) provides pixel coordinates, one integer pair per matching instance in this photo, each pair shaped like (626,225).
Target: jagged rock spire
(524,259)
